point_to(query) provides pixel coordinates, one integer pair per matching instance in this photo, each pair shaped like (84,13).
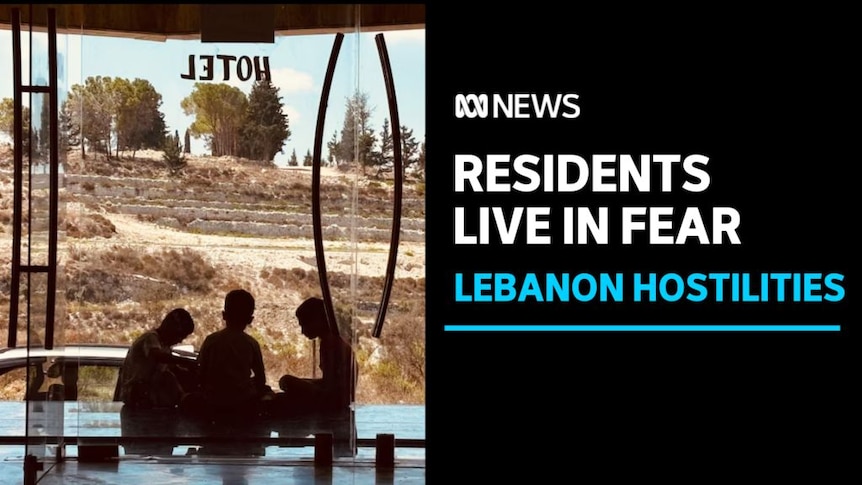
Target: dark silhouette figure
(151,375)
(334,391)
(233,381)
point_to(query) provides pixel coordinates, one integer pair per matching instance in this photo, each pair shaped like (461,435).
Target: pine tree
(332,146)
(386,156)
(421,159)
(266,126)
(409,149)
(357,132)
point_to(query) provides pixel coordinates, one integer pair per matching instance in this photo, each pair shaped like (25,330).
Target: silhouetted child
(149,371)
(231,364)
(334,391)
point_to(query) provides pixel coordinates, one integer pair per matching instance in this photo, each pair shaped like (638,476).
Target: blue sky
(297,64)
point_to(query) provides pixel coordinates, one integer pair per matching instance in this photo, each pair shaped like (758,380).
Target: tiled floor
(176,465)
(223,471)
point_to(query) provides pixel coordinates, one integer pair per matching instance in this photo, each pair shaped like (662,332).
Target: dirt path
(251,254)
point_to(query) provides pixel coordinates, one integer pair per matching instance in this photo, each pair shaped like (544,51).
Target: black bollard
(385,450)
(323,449)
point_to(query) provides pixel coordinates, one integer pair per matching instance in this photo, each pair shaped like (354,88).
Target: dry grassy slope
(120,272)
(262,190)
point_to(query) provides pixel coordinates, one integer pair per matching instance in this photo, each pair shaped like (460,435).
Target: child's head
(176,326)
(238,309)
(312,318)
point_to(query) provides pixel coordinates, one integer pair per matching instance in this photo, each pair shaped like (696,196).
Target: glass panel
(392,367)
(44,420)
(6,176)
(41,306)
(37,196)
(338,209)
(44,417)
(227,210)
(13,381)
(165,204)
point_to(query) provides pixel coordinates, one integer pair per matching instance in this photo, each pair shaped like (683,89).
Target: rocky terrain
(136,241)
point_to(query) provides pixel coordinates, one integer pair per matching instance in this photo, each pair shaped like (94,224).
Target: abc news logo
(516,105)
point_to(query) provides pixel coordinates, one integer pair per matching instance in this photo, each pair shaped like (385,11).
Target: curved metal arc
(315,186)
(396,212)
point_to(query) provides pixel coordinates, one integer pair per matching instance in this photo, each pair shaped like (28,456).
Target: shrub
(173,155)
(93,225)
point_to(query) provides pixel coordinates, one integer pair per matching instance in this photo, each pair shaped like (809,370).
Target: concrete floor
(222,471)
(149,463)
(176,465)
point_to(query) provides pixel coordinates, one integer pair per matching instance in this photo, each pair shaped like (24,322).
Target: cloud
(293,115)
(292,81)
(72,47)
(286,79)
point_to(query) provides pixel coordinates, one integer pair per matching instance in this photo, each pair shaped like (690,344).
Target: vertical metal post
(18,177)
(32,465)
(54,188)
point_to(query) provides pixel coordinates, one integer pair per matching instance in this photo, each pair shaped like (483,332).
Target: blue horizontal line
(642,328)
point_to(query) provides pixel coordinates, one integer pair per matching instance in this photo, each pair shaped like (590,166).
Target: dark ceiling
(172,21)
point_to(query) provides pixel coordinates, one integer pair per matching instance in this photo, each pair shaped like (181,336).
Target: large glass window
(187,172)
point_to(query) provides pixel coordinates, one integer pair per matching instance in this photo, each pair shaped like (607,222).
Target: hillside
(138,242)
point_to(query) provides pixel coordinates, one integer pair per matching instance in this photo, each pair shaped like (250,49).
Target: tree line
(116,115)
(358,142)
